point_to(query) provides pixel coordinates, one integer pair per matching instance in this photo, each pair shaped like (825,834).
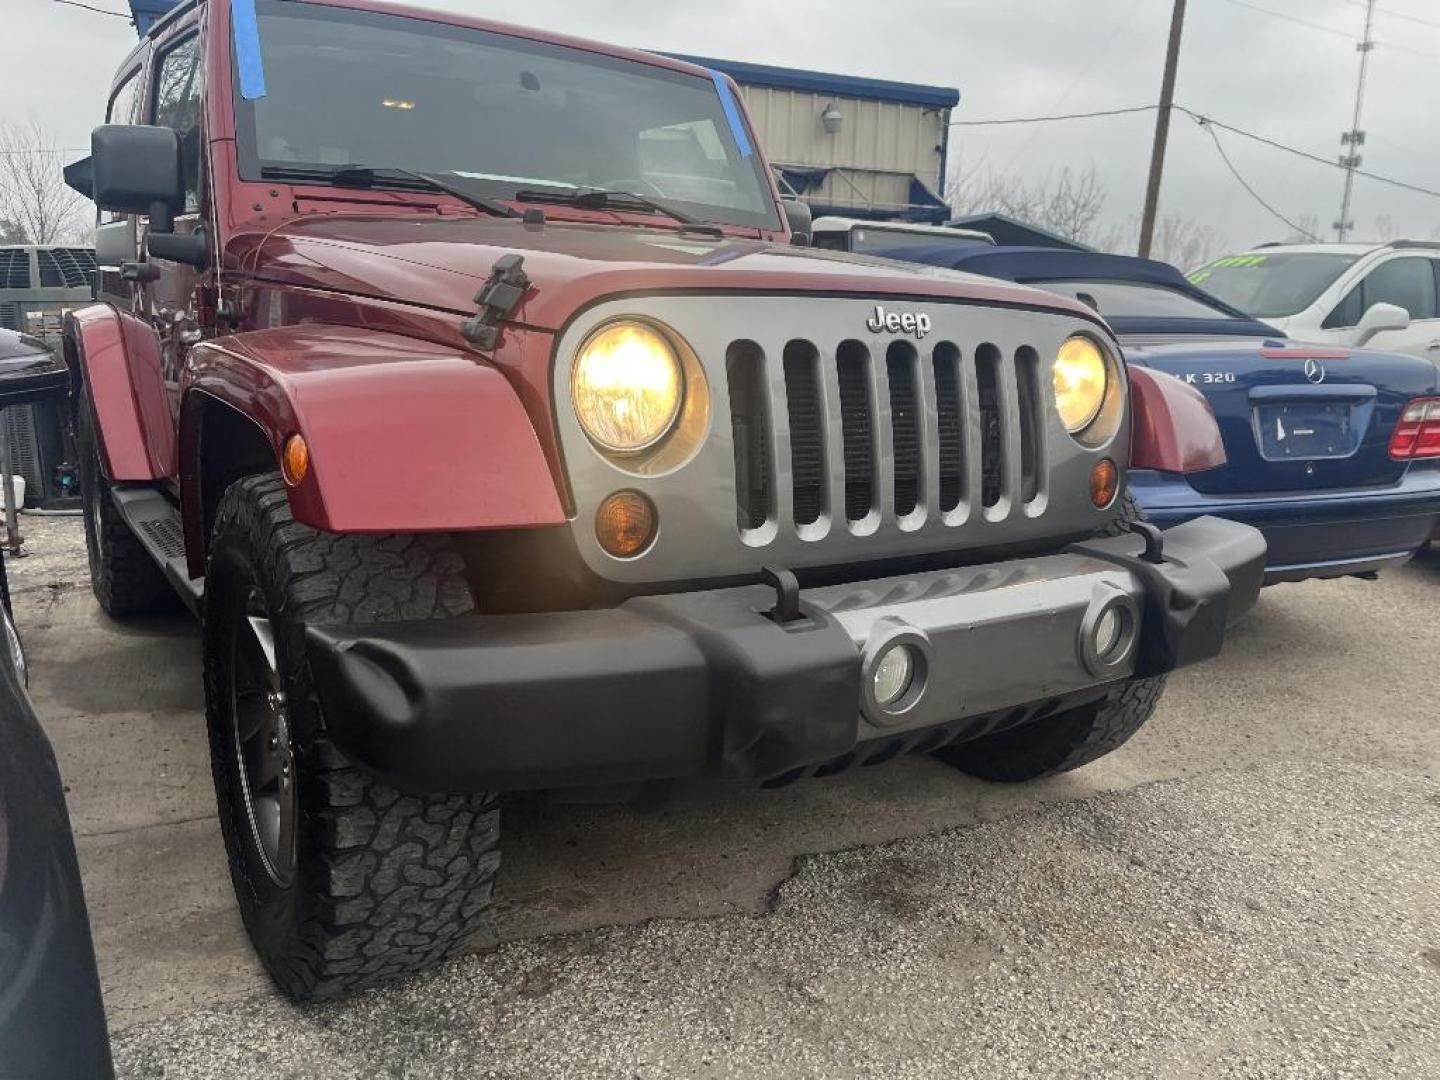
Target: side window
(1408,283)
(1347,313)
(177,105)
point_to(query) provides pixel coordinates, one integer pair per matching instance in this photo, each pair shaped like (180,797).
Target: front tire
(342,880)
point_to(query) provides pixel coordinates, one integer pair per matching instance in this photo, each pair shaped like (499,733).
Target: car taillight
(1417,435)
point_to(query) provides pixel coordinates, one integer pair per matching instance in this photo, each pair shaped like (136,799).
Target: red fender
(119,358)
(1172,426)
(404,435)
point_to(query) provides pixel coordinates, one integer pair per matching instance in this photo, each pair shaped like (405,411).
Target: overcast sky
(1256,70)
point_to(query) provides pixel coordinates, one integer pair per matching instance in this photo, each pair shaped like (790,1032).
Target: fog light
(1107,631)
(625,524)
(894,674)
(1104,483)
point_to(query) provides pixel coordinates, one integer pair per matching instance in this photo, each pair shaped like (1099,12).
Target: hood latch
(497,298)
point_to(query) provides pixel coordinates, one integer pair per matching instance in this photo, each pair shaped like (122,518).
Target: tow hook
(787,594)
(498,297)
(1154,540)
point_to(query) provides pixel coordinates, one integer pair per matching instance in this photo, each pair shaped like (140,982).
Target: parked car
(523,460)
(866,237)
(1383,296)
(52,1019)
(1334,454)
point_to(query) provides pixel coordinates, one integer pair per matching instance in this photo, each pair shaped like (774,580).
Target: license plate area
(1309,430)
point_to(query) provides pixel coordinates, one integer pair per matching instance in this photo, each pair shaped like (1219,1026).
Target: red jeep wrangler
(469,383)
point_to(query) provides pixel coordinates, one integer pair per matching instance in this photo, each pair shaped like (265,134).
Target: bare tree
(1185,242)
(1384,228)
(34,202)
(1068,203)
(1306,231)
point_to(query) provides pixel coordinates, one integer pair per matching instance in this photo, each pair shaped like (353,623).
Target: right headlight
(627,386)
(1082,379)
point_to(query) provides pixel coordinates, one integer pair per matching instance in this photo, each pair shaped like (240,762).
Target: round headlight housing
(1082,379)
(627,386)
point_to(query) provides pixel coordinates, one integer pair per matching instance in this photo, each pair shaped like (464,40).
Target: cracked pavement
(1002,928)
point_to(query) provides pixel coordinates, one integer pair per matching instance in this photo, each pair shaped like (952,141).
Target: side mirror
(1378,319)
(799,218)
(135,169)
(29,370)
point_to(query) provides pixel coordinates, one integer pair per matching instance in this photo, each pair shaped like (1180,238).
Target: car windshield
(1130,300)
(1272,285)
(492,112)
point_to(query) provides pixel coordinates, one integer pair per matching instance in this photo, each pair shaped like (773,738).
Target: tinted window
(499,113)
(1348,311)
(1128,300)
(1408,283)
(1272,285)
(177,105)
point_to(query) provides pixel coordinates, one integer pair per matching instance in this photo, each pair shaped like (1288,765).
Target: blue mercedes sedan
(1334,454)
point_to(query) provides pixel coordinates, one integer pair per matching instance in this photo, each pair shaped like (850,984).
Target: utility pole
(1355,138)
(1162,129)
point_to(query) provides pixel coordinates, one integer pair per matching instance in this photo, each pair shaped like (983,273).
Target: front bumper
(708,683)
(1319,534)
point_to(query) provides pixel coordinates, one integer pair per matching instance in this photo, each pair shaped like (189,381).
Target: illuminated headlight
(626,386)
(1081,380)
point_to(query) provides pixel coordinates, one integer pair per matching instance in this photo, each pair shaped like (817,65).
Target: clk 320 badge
(896,323)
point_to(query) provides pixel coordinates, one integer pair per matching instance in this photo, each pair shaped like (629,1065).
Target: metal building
(850,146)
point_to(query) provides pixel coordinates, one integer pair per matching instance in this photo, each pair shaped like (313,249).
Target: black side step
(155,521)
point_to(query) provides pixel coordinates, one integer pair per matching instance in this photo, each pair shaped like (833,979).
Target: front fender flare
(404,435)
(1172,426)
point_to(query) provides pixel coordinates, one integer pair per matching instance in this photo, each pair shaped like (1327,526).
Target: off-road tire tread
(387,882)
(123,576)
(1071,739)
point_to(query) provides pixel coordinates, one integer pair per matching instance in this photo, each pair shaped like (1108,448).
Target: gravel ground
(1277,922)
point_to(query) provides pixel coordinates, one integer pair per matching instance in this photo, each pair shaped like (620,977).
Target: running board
(156,523)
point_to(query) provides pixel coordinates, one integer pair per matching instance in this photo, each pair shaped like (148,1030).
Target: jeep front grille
(884,402)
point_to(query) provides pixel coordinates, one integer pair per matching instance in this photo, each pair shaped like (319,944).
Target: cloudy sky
(1282,68)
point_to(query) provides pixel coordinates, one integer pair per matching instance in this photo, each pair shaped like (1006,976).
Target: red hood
(439,262)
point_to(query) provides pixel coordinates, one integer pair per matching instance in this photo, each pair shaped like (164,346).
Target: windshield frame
(769,219)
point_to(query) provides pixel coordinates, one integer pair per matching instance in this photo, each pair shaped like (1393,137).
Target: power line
(1397,14)
(1210,130)
(1293,19)
(1203,119)
(98,11)
(1047,119)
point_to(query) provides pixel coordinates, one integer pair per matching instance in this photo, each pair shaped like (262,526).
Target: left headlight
(627,386)
(1082,378)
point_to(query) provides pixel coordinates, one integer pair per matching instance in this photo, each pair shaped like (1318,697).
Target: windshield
(1127,300)
(1272,285)
(497,113)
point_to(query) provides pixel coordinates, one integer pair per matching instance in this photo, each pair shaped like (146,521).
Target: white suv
(1381,296)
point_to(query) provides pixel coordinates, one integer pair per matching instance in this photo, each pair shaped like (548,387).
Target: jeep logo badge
(895,323)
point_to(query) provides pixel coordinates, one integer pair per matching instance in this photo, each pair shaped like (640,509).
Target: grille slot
(900,360)
(987,384)
(950,454)
(68,268)
(14,268)
(804,405)
(1027,376)
(857,429)
(750,426)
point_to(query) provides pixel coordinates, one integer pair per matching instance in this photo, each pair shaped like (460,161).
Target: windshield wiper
(363,176)
(601,199)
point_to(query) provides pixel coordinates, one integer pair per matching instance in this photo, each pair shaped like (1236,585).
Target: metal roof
(820,82)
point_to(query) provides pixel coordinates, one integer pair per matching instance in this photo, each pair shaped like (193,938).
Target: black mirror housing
(135,169)
(800,220)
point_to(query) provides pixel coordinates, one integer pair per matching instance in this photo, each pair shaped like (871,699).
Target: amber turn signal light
(295,459)
(1104,483)
(625,524)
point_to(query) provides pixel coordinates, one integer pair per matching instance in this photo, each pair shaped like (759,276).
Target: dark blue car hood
(1248,379)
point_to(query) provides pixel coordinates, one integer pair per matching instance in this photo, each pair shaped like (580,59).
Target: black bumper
(707,683)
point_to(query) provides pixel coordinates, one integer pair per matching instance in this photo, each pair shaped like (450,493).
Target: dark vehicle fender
(117,355)
(1172,426)
(404,435)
